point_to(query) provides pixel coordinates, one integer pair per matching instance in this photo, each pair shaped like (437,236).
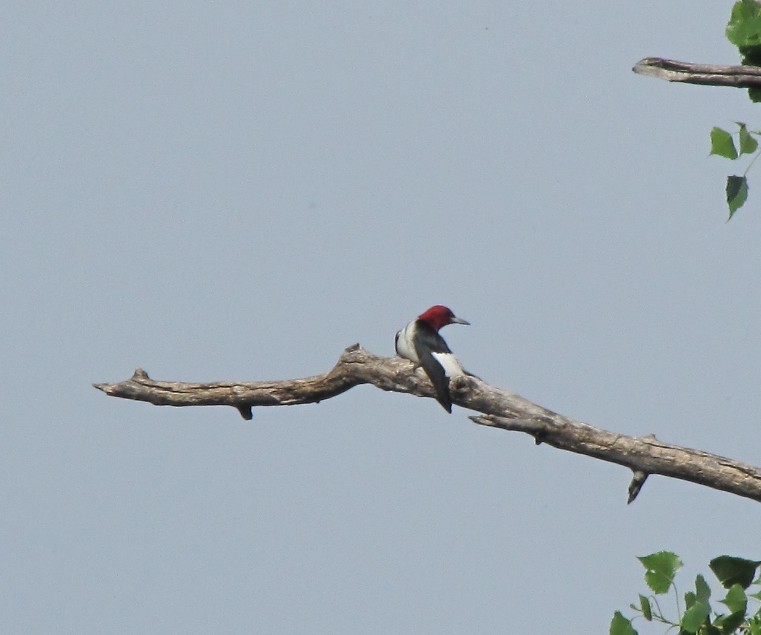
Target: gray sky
(240,190)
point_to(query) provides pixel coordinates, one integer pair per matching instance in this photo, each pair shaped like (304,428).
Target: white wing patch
(450,364)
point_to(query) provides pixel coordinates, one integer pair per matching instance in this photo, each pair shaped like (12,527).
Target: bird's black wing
(434,369)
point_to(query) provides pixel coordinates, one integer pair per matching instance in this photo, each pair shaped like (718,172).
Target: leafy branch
(744,31)
(723,145)
(735,574)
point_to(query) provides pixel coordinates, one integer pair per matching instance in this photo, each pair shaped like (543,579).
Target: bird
(421,343)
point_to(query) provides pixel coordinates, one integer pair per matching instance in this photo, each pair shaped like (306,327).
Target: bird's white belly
(405,347)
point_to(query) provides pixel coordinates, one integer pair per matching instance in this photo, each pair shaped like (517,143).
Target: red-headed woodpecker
(421,343)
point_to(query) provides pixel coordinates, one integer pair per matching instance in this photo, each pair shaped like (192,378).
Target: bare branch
(355,366)
(500,408)
(704,74)
(643,455)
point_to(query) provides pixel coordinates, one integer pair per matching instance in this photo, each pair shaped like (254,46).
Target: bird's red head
(439,316)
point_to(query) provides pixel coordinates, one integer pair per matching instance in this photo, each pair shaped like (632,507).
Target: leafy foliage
(735,574)
(744,31)
(723,145)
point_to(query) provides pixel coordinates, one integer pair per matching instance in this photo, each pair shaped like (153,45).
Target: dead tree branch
(499,408)
(704,74)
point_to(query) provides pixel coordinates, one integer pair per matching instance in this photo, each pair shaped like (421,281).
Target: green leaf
(619,625)
(748,143)
(689,599)
(736,599)
(702,590)
(737,194)
(644,605)
(694,617)
(744,27)
(744,31)
(722,144)
(754,93)
(661,569)
(730,623)
(730,569)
